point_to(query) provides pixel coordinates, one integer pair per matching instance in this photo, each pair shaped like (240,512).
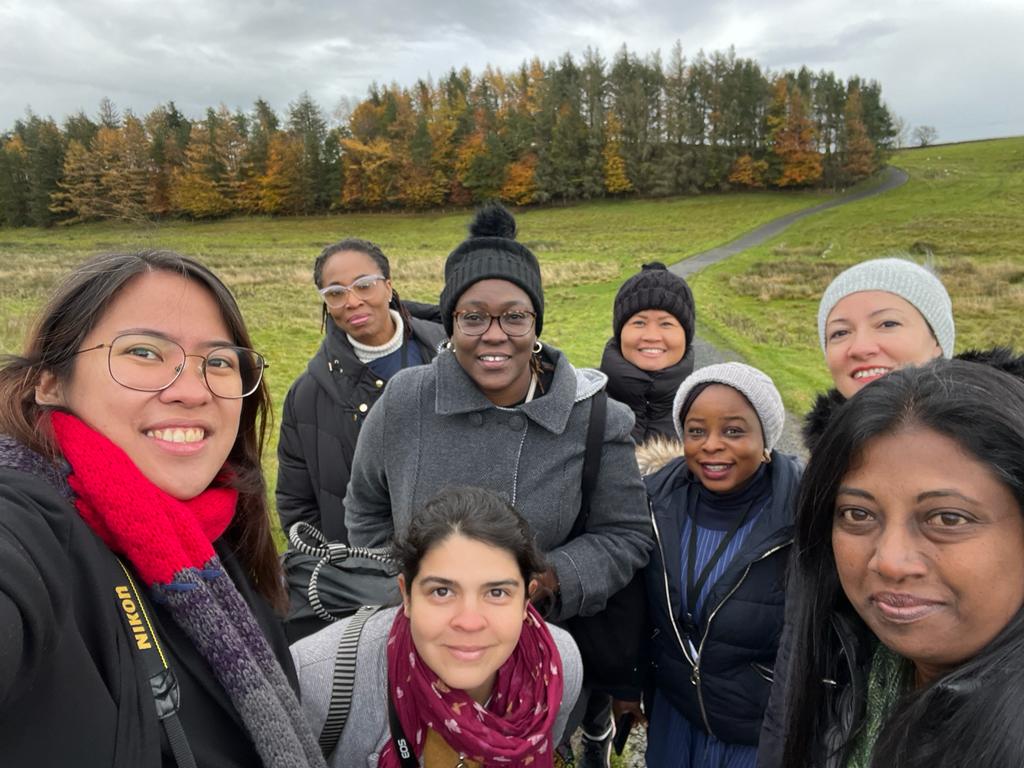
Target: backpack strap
(344,679)
(591,459)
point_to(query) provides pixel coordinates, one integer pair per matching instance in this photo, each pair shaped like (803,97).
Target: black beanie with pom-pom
(491,253)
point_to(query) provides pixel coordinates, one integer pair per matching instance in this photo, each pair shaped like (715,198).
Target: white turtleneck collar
(368,354)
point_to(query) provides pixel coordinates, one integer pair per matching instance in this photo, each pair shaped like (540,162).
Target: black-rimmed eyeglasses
(148,363)
(515,322)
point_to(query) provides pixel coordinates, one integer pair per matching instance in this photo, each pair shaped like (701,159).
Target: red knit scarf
(168,543)
(514,730)
(158,534)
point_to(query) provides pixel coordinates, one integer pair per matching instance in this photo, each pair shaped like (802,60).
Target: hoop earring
(767,458)
(537,347)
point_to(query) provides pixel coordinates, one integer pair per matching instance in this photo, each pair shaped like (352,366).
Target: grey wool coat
(434,428)
(366,732)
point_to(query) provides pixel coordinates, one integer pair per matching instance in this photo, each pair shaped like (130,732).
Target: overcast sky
(955,64)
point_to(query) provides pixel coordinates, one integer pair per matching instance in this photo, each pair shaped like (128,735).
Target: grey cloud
(60,55)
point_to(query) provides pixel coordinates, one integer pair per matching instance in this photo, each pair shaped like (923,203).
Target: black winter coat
(323,413)
(725,689)
(648,393)
(73,690)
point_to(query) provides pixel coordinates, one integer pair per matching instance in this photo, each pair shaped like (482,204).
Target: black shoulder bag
(613,642)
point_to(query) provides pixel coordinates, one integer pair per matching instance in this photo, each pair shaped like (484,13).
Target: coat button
(378,383)
(476,419)
(363,407)
(516,422)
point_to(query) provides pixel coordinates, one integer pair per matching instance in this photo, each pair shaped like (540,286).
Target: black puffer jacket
(817,419)
(73,690)
(648,393)
(726,688)
(323,413)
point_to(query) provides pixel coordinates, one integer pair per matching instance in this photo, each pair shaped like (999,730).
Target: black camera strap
(162,682)
(403,748)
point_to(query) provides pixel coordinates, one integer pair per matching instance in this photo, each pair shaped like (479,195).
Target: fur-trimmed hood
(818,418)
(656,453)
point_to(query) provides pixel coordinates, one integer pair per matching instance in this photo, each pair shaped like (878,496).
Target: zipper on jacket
(668,598)
(695,677)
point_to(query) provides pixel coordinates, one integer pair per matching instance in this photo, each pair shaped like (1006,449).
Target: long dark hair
(374,252)
(71,313)
(972,714)
(475,513)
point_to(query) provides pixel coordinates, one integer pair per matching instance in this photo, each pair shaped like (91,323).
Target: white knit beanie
(911,282)
(755,385)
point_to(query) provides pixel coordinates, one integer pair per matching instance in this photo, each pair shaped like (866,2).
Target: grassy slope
(586,251)
(964,204)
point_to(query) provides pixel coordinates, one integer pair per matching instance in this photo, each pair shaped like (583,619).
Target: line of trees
(566,130)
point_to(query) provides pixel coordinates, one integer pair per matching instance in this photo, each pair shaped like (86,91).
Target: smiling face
(652,340)
(499,364)
(180,437)
(722,439)
(366,319)
(929,548)
(466,609)
(870,333)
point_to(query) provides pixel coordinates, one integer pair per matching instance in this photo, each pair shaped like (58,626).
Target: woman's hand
(544,592)
(548,582)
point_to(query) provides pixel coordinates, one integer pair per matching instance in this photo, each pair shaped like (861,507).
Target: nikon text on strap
(162,682)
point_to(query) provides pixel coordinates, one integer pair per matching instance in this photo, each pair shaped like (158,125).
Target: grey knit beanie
(911,282)
(753,384)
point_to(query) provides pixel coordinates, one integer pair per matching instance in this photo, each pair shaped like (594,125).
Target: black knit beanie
(491,252)
(654,287)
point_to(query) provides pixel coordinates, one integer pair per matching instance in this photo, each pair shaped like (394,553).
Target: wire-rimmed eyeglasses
(148,363)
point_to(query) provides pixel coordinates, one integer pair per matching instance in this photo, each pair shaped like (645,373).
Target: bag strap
(344,679)
(163,683)
(330,553)
(591,459)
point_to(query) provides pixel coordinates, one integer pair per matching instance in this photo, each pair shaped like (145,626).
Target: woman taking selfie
(465,667)
(874,318)
(369,336)
(907,638)
(134,534)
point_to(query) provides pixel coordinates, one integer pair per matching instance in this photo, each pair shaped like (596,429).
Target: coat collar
(457,393)
(632,385)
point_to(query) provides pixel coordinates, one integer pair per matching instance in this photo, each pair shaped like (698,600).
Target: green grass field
(585,250)
(964,205)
